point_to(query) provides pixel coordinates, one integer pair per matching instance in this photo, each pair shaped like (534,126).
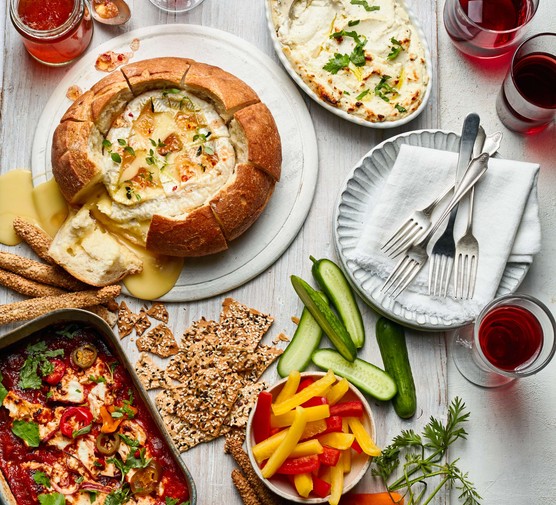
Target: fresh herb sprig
(37,360)
(395,50)
(357,56)
(422,455)
(365,5)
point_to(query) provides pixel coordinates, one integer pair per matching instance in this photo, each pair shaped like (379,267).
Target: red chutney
(45,14)
(19,462)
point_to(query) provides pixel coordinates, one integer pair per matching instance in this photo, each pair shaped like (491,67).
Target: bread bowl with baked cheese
(171,154)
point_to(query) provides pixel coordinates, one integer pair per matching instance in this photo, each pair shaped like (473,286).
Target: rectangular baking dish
(87,318)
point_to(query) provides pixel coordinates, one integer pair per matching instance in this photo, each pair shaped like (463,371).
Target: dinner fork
(416,256)
(444,249)
(467,247)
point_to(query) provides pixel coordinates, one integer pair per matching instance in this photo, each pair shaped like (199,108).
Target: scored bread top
(185,192)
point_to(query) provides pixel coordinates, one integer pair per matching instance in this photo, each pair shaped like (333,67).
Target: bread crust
(77,150)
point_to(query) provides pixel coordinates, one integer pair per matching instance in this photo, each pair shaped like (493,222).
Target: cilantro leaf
(365,5)
(357,56)
(42,479)
(119,496)
(37,356)
(3,390)
(335,64)
(28,431)
(52,499)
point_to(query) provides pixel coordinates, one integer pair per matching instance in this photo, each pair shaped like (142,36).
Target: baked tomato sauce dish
(73,429)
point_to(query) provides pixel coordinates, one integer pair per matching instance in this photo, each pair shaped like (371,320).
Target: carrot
(372,499)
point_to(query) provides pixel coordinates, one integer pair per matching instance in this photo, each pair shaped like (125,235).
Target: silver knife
(468,135)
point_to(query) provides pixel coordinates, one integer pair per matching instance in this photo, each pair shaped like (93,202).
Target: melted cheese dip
(365,57)
(168,153)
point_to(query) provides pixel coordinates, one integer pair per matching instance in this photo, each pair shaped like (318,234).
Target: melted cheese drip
(50,205)
(16,200)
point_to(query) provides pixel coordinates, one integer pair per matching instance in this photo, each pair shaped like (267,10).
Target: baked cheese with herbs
(362,56)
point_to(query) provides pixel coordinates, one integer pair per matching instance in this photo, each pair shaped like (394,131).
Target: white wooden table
(512,432)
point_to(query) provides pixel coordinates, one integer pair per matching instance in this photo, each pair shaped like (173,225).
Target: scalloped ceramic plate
(362,186)
(341,113)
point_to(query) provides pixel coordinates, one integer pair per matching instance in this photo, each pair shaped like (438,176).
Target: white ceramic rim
(298,499)
(339,112)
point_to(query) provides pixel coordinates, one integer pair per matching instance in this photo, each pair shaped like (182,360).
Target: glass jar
(54,32)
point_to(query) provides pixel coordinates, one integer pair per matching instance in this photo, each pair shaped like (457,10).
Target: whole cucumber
(333,282)
(393,348)
(325,317)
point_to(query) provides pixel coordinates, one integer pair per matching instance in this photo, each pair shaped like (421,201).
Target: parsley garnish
(37,358)
(395,49)
(422,459)
(28,431)
(335,64)
(383,88)
(365,5)
(42,479)
(363,94)
(355,22)
(3,390)
(119,496)
(129,441)
(52,499)
(97,380)
(357,56)
(399,108)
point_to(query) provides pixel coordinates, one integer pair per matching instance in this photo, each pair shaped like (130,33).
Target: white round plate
(361,188)
(339,112)
(278,225)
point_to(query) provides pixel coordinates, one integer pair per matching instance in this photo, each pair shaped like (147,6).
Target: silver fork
(444,249)
(416,256)
(467,247)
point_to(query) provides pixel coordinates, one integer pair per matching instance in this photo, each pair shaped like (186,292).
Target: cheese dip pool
(362,56)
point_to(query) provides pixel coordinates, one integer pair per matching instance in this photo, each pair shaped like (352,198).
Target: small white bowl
(279,484)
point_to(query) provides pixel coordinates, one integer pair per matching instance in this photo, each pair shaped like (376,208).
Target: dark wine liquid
(499,15)
(535,78)
(510,337)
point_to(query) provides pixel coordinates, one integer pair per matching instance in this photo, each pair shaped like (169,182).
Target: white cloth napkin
(505,222)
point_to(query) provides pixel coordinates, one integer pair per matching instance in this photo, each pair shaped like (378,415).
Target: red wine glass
(512,337)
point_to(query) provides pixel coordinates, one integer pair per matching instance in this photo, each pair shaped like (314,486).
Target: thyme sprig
(422,460)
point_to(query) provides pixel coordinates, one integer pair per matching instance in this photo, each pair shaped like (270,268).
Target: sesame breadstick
(248,496)
(28,309)
(233,446)
(27,287)
(39,272)
(35,237)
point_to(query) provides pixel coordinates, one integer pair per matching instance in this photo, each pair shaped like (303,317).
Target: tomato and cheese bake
(73,429)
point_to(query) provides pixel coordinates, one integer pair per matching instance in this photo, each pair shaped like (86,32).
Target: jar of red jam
(55,32)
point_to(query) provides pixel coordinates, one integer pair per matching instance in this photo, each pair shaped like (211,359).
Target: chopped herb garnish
(335,64)
(82,431)
(122,142)
(365,5)
(118,496)
(69,331)
(363,94)
(383,88)
(399,108)
(3,390)
(116,158)
(117,415)
(52,499)
(97,380)
(37,359)
(129,441)
(357,56)
(395,49)
(28,431)
(42,479)
(355,22)
(106,144)
(129,150)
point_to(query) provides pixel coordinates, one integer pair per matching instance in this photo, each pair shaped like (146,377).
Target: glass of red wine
(527,100)
(512,337)
(487,28)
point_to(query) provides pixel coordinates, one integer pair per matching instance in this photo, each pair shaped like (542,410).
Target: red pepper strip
(261,418)
(356,447)
(320,487)
(347,409)
(315,402)
(329,456)
(74,419)
(273,431)
(333,424)
(305,464)
(304,383)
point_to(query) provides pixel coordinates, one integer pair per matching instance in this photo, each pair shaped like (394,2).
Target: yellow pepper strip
(303,484)
(287,445)
(290,387)
(313,414)
(362,437)
(345,460)
(337,391)
(337,440)
(317,388)
(307,448)
(336,484)
(345,425)
(313,428)
(263,450)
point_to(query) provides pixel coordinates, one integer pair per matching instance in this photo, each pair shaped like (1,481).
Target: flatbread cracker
(160,341)
(150,375)
(142,323)
(245,401)
(158,311)
(126,320)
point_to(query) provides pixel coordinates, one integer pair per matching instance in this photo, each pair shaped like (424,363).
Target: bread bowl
(170,154)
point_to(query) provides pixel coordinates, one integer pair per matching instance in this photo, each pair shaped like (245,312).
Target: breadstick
(233,446)
(37,239)
(28,309)
(102,311)
(27,287)
(39,272)
(248,496)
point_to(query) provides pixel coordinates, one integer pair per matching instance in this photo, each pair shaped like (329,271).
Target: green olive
(108,443)
(84,355)
(145,480)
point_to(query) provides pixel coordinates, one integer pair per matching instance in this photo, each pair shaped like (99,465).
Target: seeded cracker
(245,401)
(141,323)
(160,341)
(158,311)
(126,320)
(150,375)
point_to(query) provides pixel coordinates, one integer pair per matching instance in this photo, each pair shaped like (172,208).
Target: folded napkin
(505,222)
